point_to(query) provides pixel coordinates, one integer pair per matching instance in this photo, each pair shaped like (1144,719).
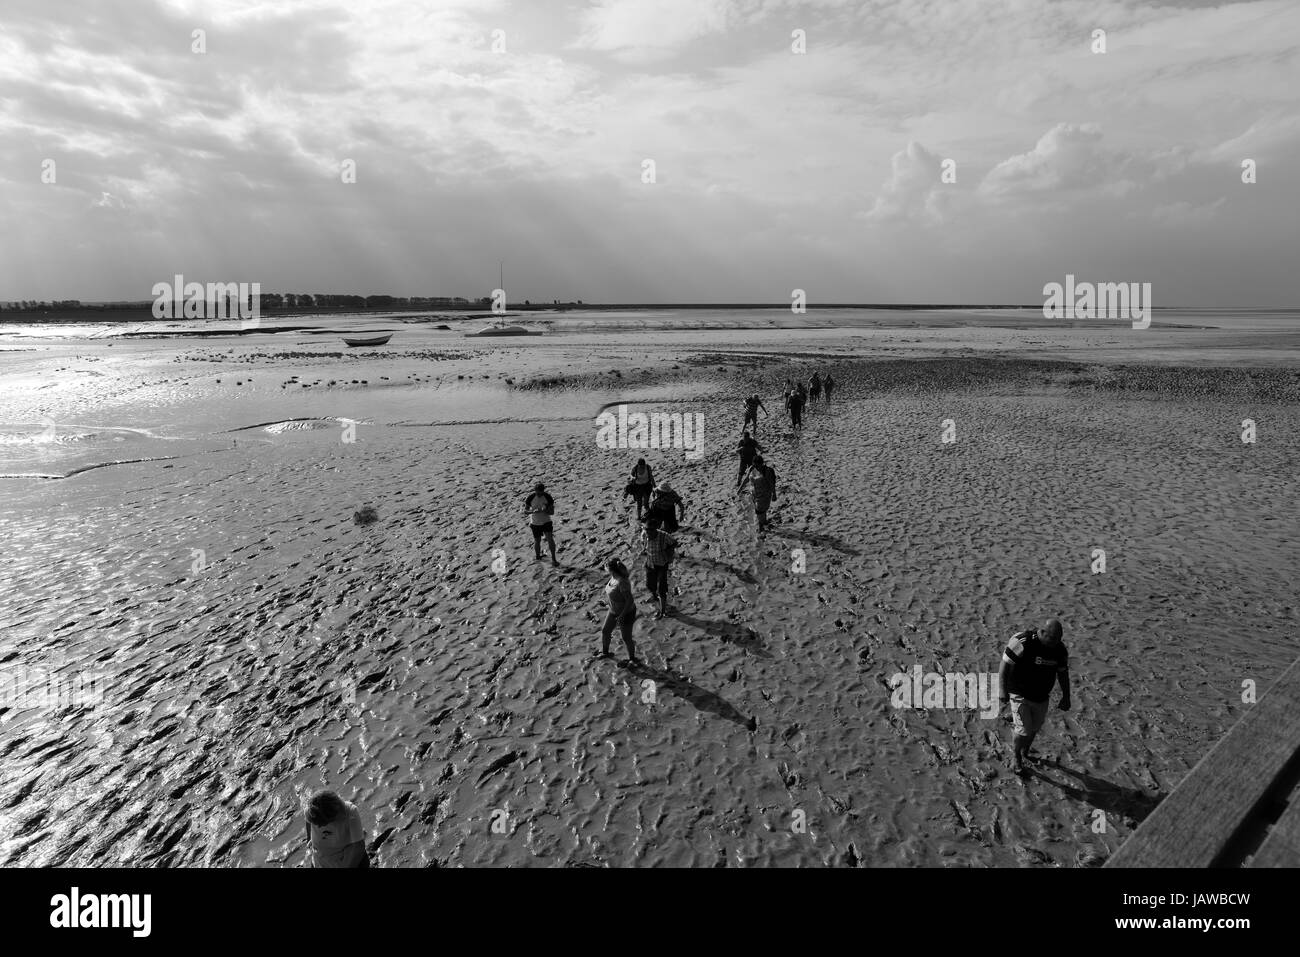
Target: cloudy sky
(774,170)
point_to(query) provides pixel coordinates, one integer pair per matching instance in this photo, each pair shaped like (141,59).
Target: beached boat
(505,331)
(374,340)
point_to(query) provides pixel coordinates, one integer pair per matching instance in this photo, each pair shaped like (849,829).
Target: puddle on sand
(49,449)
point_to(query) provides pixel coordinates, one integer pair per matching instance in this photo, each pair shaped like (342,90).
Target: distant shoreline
(143,312)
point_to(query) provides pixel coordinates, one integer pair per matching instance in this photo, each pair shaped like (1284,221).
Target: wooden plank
(1282,846)
(1195,824)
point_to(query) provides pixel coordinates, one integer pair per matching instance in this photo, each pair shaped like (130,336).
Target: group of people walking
(1033,661)
(660,510)
(754,470)
(797,397)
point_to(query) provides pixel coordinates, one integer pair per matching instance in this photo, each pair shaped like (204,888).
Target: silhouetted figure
(747,448)
(752,405)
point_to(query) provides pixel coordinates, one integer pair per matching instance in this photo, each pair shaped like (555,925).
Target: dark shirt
(1034,666)
(666,503)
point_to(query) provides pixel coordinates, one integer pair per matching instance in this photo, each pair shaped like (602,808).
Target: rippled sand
(256,643)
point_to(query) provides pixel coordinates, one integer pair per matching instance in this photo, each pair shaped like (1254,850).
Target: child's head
(616,568)
(652,523)
(325,812)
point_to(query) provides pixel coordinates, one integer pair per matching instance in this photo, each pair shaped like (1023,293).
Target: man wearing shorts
(1032,662)
(540,507)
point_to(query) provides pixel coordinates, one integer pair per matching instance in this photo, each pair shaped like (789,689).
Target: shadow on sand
(814,538)
(1111,798)
(717,565)
(702,699)
(731,633)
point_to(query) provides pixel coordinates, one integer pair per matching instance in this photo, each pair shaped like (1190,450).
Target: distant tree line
(303,300)
(270,301)
(33,305)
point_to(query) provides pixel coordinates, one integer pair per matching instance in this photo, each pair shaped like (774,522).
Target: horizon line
(461,301)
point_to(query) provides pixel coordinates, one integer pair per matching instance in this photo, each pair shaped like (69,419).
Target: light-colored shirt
(618,593)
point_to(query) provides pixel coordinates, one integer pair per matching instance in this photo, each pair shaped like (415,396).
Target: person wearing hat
(539,507)
(665,505)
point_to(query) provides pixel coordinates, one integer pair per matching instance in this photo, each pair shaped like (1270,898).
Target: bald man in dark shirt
(1033,661)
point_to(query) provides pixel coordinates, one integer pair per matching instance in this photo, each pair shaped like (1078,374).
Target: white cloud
(914,189)
(1067,156)
(644,30)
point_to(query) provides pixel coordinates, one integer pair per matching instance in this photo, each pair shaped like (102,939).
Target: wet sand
(396,664)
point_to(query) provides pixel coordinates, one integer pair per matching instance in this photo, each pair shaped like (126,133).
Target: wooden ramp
(1225,813)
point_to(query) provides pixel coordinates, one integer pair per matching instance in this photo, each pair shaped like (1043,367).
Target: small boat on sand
(505,331)
(378,339)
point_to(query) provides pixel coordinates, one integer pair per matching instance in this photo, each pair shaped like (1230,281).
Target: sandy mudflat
(228,688)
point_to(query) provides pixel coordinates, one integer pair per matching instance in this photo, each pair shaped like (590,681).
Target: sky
(486,131)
